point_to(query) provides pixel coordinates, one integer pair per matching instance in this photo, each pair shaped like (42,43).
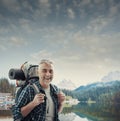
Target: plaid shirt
(39,112)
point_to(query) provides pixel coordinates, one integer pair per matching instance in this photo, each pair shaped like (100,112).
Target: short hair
(45,61)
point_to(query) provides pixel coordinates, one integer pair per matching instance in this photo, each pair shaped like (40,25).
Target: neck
(45,86)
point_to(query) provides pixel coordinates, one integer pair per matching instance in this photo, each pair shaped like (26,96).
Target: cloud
(94,47)
(86,2)
(54,35)
(80,46)
(27,6)
(44,8)
(111,76)
(45,2)
(98,24)
(26,25)
(14,41)
(11,5)
(71,13)
(43,54)
(98,1)
(2,48)
(114,10)
(81,36)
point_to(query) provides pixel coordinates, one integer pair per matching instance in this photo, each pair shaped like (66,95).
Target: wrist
(33,104)
(61,103)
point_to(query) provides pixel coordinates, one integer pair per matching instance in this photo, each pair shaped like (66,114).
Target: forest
(6,86)
(105,94)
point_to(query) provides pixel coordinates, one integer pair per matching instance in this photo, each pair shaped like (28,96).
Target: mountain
(97,85)
(108,80)
(115,75)
(66,84)
(100,92)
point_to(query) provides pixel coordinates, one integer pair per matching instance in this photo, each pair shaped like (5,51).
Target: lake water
(85,112)
(70,117)
(6,119)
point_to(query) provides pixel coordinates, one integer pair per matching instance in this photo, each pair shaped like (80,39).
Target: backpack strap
(34,86)
(56,90)
(36,89)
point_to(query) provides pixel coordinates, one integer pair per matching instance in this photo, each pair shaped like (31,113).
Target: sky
(81,37)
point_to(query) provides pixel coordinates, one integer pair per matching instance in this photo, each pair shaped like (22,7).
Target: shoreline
(6,118)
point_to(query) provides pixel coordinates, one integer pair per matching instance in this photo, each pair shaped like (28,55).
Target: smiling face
(45,72)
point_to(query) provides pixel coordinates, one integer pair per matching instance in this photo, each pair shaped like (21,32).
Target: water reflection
(96,112)
(71,117)
(86,112)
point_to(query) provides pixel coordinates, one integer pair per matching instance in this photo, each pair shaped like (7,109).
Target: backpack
(30,72)
(26,75)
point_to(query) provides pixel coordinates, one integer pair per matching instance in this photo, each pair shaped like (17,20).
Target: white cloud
(83,51)
(96,25)
(43,54)
(14,41)
(111,76)
(71,13)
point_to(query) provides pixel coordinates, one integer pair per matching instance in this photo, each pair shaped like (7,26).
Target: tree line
(102,94)
(108,94)
(6,86)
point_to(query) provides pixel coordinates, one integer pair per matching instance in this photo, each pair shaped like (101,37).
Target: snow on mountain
(66,84)
(112,76)
(108,80)
(98,84)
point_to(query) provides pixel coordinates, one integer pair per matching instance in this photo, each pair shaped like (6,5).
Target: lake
(83,112)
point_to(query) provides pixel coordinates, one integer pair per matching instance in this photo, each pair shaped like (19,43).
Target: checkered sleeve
(22,101)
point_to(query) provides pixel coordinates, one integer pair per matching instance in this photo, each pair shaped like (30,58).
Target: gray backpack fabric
(30,73)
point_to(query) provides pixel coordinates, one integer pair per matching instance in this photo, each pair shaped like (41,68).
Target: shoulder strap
(34,86)
(57,90)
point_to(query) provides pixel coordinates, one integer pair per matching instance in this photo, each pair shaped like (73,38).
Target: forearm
(38,99)
(27,109)
(61,99)
(60,108)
